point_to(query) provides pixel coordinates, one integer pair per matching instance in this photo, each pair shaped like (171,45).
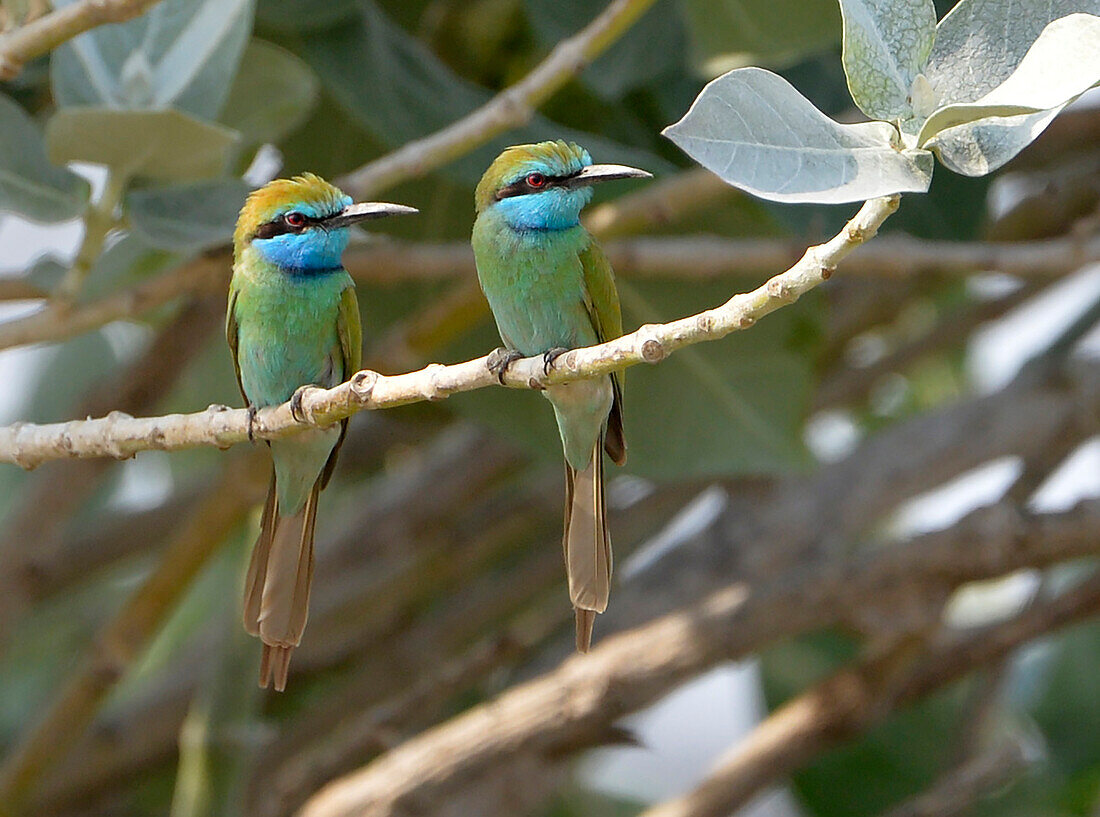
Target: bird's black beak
(365,210)
(604,173)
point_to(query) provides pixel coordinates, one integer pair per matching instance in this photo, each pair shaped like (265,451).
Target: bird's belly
(274,366)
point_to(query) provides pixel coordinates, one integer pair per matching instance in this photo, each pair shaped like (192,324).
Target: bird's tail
(276,590)
(587,544)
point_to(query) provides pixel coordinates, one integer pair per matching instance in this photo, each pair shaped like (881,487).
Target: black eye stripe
(278,226)
(520,187)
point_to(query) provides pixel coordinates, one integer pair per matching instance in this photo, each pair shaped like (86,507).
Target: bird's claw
(500,359)
(549,356)
(251,424)
(296,410)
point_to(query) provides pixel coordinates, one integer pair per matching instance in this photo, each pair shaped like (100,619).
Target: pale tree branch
(562,711)
(690,258)
(510,108)
(121,436)
(49,31)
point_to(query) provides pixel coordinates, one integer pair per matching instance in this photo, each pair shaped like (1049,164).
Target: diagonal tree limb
(122,436)
(42,35)
(551,716)
(511,107)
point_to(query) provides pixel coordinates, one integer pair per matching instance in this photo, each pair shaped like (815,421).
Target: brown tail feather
(587,545)
(276,602)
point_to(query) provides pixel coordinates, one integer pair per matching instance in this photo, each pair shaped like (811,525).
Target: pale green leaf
(980,147)
(756,132)
(1062,64)
(980,42)
(154,144)
(187,217)
(272,94)
(181,53)
(29,184)
(727,34)
(886,44)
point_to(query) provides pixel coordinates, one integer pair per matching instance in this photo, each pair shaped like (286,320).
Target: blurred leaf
(732,407)
(72,370)
(155,144)
(29,184)
(297,16)
(124,263)
(187,217)
(886,44)
(754,130)
(180,53)
(1066,706)
(398,90)
(654,45)
(728,34)
(980,43)
(272,94)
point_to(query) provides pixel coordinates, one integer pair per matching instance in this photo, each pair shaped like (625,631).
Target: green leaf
(155,144)
(886,44)
(29,184)
(980,43)
(272,94)
(397,90)
(654,45)
(181,53)
(979,148)
(1062,64)
(728,34)
(187,217)
(756,132)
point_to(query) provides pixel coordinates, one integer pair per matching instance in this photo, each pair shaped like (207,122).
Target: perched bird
(551,289)
(292,321)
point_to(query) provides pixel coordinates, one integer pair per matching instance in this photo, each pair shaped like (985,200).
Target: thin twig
(46,33)
(512,107)
(122,436)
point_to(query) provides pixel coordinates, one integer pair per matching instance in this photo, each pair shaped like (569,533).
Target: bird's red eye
(536,180)
(295,219)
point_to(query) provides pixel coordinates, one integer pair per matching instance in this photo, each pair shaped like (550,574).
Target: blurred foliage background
(818,434)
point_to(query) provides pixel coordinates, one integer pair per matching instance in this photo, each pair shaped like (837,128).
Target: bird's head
(302,223)
(545,185)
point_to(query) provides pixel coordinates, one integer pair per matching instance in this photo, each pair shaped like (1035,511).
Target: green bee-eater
(293,320)
(551,289)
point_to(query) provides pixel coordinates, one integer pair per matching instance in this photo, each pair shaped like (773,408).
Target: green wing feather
(231,337)
(350,331)
(607,319)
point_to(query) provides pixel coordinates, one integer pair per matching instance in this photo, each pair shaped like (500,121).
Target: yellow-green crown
(556,158)
(308,193)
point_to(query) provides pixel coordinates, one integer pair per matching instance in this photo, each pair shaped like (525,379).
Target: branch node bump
(779,290)
(746,321)
(827,272)
(706,322)
(856,234)
(115,447)
(362,384)
(435,391)
(536,384)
